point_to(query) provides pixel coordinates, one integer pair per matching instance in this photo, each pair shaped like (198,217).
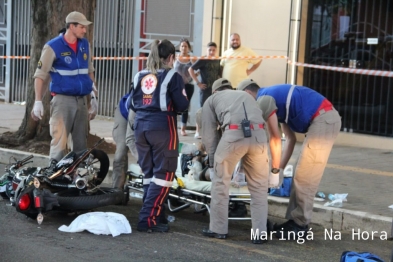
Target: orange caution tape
(332,68)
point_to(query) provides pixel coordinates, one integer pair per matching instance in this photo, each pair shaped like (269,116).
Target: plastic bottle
(331,197)
(321,195)
(171,219)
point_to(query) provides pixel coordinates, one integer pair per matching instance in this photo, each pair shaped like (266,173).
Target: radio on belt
(246,126)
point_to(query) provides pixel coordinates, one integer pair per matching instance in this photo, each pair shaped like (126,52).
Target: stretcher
(190,193)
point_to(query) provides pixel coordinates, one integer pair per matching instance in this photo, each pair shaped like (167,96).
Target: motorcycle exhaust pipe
(81,182)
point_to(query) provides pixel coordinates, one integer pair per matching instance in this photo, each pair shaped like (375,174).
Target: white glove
(274,179)
(93,106)
(38,110)
(280,179)
(212,174)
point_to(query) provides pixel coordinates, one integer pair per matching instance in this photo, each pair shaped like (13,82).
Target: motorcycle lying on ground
(6,187)
(72,184)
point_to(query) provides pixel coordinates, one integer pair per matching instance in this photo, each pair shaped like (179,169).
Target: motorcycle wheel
(103,159)
(72,200)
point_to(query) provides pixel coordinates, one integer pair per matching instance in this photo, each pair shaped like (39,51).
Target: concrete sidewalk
(365,174)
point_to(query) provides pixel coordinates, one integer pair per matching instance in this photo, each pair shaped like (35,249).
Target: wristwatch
(275,170)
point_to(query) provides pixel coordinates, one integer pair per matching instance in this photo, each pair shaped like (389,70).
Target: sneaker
(160,227)
(197,136)
(289,230)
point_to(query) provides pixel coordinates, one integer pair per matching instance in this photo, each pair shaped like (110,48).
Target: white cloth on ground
(99,223)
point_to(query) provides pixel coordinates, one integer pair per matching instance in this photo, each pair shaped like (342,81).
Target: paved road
(24,240)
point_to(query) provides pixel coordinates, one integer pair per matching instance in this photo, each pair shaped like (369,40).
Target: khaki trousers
(68,115)
(311,164)
(253,152)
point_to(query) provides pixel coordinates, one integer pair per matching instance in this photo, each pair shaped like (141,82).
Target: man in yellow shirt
(234,69)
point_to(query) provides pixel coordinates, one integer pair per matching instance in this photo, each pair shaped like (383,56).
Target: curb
(339,219)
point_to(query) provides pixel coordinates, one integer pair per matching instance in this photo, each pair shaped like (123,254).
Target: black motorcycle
(71,184)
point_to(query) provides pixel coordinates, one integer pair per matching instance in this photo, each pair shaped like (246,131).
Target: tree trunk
(48,18)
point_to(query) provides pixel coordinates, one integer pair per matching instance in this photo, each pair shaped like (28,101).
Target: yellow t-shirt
(235,69)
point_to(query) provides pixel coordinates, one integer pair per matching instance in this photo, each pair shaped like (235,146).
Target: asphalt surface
(363,173)
(24,240)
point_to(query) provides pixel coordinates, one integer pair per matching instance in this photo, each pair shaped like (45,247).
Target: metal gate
(355,34)
(3,41)
(114,38)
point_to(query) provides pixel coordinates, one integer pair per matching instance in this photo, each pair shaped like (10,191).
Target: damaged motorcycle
(72,184)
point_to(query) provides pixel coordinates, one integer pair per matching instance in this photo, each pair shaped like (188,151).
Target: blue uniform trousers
(157,145)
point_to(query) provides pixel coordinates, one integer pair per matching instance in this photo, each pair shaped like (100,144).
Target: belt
(252,126)
(54,94)
(322,111)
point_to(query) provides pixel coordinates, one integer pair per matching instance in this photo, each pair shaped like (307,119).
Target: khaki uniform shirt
(224,108)
(268,106)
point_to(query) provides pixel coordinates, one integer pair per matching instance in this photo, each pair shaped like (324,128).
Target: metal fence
(113,33)
(355,34)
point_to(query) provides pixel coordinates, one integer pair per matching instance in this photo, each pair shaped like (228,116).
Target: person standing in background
(210,71)
(234,69)
(182,64)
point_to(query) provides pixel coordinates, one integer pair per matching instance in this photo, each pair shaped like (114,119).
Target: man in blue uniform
(66,60)
(302,110)
(157,98)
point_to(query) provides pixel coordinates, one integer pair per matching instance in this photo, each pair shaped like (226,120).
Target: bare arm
(289,144)
(39,88)
(253,68)
(194,76)
(275,140)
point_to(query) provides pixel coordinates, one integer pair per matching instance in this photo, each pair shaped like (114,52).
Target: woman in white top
(182,64)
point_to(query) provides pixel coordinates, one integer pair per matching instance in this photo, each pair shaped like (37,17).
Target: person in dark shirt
(210,71)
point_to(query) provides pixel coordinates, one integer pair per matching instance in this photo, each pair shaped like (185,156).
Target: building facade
(335,34)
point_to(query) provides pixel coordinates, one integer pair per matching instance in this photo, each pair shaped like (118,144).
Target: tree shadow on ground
(9,140)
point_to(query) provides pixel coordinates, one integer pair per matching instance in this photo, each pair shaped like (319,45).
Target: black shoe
(290,230)
(238,211)
(208,233)
(259,241)
(157,228)
(269,227)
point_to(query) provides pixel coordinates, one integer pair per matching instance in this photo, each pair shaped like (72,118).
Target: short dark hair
(252,87)
(212,44)
(68,25)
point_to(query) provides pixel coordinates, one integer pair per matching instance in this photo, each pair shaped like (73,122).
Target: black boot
(238,209)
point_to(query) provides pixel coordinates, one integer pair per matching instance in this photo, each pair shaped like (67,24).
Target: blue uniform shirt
(304,104)
(71,70)
(156,96)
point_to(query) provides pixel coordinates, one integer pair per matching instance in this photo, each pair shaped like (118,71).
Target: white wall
(263,25)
